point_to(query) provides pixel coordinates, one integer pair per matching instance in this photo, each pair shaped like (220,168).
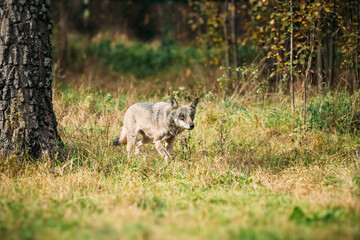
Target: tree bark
(319,67)
(358,47)
(354,28)
(292,58)
(27,121)
(357,60)
(234,37)
(227,54)
(307,74)
(62,62)
(331,50)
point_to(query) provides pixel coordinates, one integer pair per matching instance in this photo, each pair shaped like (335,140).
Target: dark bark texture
(27,120)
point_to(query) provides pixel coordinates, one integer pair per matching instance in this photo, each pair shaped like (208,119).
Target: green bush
(247,54)
(141,59)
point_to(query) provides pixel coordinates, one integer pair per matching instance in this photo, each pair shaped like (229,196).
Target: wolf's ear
(194,103)
(174,103)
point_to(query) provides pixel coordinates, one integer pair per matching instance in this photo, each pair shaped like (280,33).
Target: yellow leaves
(258,17)
(232,8)
(279,58)
(272,21)
(359,90)
(327,9)
(216,60)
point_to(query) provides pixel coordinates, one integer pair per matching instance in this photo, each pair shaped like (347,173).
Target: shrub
(141,59)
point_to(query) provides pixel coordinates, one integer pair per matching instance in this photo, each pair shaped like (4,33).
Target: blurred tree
(62,35)
(27,120)
(234,36)
(226,38)
(292,56)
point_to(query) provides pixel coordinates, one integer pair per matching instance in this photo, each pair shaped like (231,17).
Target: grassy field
(248,170)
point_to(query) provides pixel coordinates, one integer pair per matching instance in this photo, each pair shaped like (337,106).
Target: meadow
(249,170)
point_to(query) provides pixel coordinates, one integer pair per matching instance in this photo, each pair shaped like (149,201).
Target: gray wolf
(156,122)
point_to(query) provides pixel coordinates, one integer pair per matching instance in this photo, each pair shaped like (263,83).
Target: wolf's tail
(120,140)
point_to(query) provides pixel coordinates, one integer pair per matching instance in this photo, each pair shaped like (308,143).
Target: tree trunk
(319,67)
(227,55)
(307,74)
(234,37)
(292,58)
(62,62)
(357,60)
(358,47)
(27,120)
(331,51)
(354,28)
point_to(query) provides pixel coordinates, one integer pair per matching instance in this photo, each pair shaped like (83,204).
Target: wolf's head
(183,116)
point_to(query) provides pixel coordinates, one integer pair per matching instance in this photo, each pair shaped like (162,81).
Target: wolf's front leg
(160,148)
(169,144)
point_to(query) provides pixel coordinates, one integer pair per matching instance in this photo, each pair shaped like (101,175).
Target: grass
(247,171)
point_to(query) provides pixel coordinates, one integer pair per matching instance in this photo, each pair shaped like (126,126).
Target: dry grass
(240,174)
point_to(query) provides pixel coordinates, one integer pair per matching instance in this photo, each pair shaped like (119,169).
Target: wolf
(156,122)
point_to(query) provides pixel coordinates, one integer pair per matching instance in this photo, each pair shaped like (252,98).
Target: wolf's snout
(191,125)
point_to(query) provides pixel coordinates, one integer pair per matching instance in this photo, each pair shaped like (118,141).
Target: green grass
(248,170)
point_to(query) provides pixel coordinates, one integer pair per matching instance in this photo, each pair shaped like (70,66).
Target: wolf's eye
(182,116)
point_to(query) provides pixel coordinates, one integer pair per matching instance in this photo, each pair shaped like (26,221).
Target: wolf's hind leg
(131,141)
(120,140)
(144,140)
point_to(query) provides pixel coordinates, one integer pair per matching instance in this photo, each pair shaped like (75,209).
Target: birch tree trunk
(27,120)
